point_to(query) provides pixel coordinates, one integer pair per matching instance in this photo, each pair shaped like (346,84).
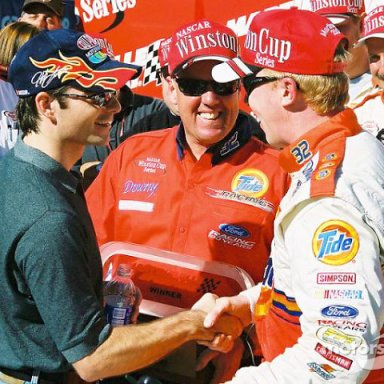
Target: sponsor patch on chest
(248,186)
(132,187)
(152,165)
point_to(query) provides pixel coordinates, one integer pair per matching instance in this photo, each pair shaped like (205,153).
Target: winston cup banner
(136,27)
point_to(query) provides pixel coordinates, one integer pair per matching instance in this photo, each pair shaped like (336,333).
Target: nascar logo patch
(335,242)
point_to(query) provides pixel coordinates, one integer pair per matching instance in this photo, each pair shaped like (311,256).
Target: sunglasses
(99,100)
(252,82)
(196,87)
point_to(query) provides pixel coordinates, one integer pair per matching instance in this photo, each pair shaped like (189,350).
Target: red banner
(135,27)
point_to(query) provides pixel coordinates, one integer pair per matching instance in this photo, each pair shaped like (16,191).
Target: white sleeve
(341,298)
(252,295)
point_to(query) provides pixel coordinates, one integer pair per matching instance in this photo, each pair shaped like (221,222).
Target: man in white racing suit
(320,309)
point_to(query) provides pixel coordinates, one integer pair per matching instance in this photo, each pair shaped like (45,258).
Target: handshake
(220,322)
(223,320)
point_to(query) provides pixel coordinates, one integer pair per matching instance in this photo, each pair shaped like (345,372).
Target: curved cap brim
(230,70)
(195,59)
(337,18)
(379,35)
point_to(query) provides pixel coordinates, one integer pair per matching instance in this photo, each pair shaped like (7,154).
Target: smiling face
(272,103)
(264,102)
(83,122)
(208,118)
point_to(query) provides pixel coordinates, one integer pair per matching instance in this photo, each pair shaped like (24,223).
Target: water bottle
(120,297)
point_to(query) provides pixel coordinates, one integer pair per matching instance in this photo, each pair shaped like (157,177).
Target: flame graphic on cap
(76,69)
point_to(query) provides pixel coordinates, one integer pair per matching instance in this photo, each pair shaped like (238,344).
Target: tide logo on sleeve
(335,242)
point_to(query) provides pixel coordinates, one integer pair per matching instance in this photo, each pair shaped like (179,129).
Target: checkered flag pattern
(208,285)
(152,63)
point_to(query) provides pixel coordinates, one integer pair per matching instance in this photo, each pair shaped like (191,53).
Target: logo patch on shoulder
(335,242)
(329,157)
(322,174)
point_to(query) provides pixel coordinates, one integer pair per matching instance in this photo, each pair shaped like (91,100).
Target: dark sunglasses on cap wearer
(99,100)
(196,87)
(251,82)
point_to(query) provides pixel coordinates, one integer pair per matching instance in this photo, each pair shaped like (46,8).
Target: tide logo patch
(250,182)
(335,242)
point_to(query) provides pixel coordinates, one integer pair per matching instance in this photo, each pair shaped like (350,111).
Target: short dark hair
(27,114)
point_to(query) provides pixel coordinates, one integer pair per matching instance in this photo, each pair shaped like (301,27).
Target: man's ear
(172,89)
(44,105)
(289,91)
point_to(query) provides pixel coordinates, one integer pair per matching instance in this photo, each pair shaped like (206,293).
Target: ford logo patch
(234,230)
(340,311)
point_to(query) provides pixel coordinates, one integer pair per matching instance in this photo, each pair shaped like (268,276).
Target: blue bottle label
(117,315)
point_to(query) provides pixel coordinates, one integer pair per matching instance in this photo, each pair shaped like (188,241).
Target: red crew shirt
(151,191)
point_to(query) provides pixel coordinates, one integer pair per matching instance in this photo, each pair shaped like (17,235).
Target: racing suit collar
(295,156)
(236,138)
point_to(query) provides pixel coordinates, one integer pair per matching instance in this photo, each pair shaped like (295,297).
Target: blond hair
(12,37)
(323,93)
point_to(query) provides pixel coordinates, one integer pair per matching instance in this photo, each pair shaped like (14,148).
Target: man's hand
(136,308)
(234,306)
(225,329)
(206,303)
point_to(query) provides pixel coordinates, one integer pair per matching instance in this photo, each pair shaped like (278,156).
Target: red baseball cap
(164,52)
(201,40)
(286,40)
(337,11)
(374,24)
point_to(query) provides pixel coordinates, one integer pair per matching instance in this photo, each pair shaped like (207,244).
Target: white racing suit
(320,309)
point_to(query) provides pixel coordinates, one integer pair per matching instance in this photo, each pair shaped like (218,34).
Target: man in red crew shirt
(204,188)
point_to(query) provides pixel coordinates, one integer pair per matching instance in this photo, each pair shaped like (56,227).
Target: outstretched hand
(226,329)
(136,307)
(237,306)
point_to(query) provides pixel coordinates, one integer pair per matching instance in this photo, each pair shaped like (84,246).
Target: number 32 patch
(301,152)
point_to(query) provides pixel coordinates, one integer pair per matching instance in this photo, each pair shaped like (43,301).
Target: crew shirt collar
(237,138)
(47,164)
(293,157)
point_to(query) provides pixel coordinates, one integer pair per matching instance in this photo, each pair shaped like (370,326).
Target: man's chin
(96,140)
